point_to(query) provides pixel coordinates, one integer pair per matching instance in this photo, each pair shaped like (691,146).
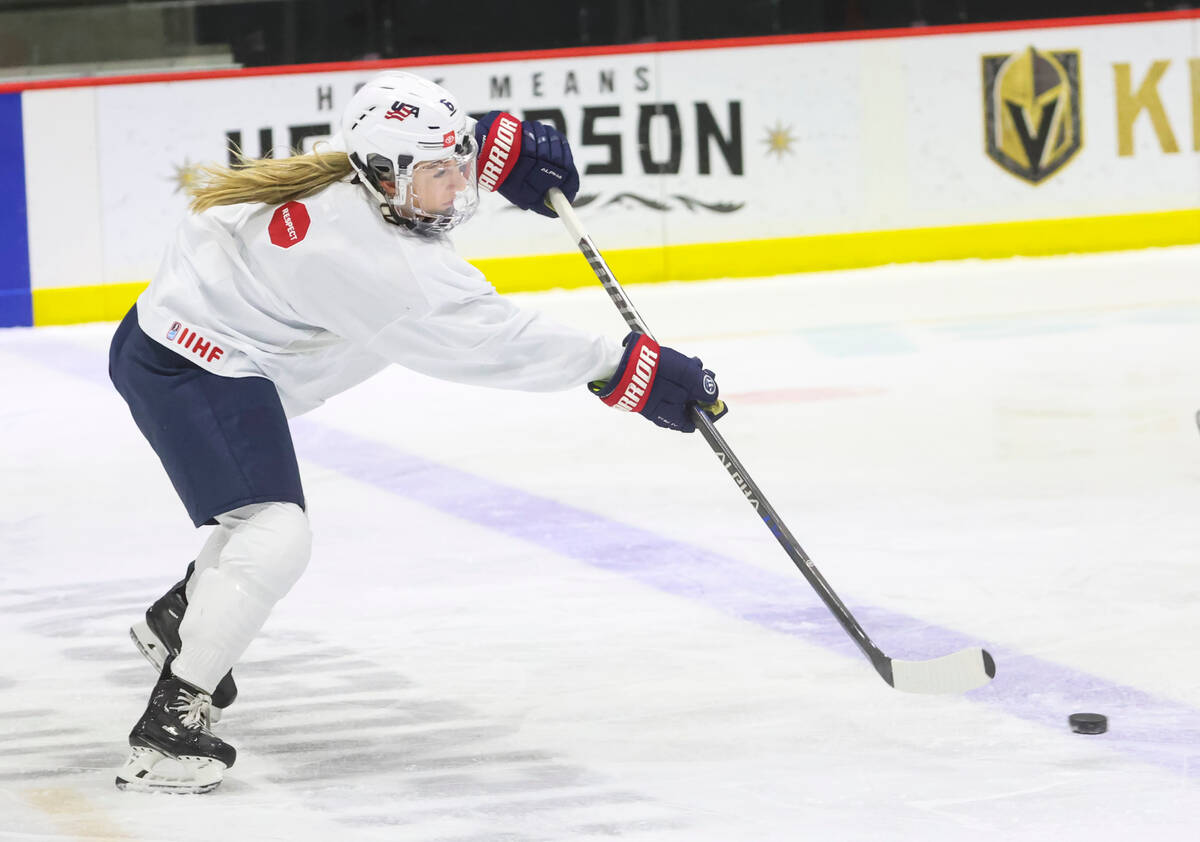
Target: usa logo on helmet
(402,111)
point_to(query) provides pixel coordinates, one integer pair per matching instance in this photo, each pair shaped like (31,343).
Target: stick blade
(956,673)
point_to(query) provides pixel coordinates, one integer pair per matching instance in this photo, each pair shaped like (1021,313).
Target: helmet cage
(393,184)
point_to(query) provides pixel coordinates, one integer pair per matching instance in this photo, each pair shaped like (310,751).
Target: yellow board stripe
(760,258)
(71,305)
(748,258)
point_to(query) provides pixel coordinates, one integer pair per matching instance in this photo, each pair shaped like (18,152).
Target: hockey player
(293,280)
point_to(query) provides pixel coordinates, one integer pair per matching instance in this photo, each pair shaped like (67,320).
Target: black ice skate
(157,638)
(171,746)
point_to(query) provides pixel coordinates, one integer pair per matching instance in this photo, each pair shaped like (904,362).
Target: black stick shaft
(731,463)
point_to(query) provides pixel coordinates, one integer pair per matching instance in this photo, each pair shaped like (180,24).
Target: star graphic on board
(779,140)
(184,176)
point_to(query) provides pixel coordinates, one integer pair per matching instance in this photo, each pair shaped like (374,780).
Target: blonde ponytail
(271,181)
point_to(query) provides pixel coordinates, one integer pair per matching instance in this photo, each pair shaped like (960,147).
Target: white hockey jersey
(319,294)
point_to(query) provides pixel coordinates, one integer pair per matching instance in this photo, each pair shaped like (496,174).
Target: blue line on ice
(1154,730)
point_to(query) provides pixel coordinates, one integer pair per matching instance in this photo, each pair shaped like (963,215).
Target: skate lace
(194,707)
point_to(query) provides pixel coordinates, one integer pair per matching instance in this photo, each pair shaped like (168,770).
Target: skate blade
(155,652)
(148,644)
(149,770)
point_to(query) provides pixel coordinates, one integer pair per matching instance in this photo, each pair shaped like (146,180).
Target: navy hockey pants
(224,441)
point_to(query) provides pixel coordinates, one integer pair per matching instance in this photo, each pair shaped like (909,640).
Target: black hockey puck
(1088,723)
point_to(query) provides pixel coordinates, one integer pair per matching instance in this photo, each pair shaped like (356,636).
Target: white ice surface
(530,618)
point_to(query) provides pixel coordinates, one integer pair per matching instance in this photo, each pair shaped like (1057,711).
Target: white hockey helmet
(411,146)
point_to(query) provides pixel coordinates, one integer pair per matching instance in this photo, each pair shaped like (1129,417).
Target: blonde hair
(271,181)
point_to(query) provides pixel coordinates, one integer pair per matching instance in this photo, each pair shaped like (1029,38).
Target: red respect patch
(288,225)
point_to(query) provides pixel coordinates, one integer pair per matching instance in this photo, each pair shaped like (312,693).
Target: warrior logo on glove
(661,384)
(522,160)
(633,388)
(499,151)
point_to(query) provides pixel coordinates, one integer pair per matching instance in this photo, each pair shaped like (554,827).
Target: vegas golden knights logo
(1031,111)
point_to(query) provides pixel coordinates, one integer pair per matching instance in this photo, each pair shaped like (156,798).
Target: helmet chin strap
(390,214)
(386,209)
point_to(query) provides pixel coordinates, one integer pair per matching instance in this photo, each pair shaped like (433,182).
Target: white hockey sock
(267,548)
(211,551)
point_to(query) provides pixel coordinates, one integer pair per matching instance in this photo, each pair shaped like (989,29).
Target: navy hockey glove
(524,160)
(661,384)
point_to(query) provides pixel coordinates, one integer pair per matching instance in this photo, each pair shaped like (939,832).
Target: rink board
(698,160)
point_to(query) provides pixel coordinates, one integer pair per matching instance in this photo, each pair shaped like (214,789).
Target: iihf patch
(174,331)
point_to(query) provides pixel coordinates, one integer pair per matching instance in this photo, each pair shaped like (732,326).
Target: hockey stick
(955,673)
